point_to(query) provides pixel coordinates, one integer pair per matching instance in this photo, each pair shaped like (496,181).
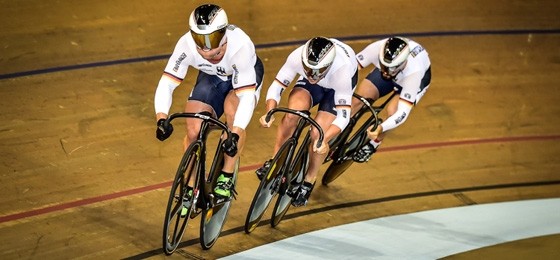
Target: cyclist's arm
(164,94)
(274,94)
(370,54)
(403,110)
(246,106)
(339,123)
(283,78)
(173,74)
(244,84)
(406,101)
(342,97)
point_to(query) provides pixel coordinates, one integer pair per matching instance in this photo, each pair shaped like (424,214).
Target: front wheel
(267,189)
(284,200)
(175,222)
(214,218)
(342,156)
(336,169)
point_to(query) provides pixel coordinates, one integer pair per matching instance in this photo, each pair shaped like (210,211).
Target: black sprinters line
(282,44)
(235,230)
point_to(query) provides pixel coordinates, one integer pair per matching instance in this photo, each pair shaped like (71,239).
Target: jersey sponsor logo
(400,118)
(235,74)
(178,61)
(360,57)
(416,50)
(286,82)
(221,71)
(407,96)
(345,51)
(342,102)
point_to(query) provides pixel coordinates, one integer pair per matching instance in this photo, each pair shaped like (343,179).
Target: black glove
(163,133)
(230,147)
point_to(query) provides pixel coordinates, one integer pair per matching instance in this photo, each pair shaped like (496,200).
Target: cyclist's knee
(192,133)
(290,120)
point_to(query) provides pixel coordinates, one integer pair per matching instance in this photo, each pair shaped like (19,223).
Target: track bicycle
(286,173)
(347,143)
(192,172)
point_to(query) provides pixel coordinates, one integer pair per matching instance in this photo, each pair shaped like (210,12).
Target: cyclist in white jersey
(327,70)
(401,65)
(228,82)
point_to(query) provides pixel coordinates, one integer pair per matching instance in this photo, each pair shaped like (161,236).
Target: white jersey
(237,64)
(410,77)
(338,77)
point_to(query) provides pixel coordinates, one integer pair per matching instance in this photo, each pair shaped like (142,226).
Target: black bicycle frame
(207,125)
(341,141)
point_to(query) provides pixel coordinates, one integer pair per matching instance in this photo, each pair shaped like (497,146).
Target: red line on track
(87,201)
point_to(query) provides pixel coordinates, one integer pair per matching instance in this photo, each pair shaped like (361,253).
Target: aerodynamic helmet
(208,25)
(393,54)
(317,57)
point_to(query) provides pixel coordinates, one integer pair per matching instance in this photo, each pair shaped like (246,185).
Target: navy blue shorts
(324,97)
(386,86)
(212,90)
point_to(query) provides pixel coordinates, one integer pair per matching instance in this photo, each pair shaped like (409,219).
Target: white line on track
(422,235)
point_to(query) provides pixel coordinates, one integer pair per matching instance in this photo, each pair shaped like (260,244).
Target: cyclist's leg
(299,99)
(193,124)
(197,102)
(324,119)
(381,88)
(203,97)
(366,89)
(209,94)
(230,105)
(325,116)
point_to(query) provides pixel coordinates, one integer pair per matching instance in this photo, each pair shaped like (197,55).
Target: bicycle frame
(203,199)
(304,121)
(345,144)
(208,125)
(373,119)
(277,180)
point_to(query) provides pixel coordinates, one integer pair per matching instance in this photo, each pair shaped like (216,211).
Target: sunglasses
(208,41)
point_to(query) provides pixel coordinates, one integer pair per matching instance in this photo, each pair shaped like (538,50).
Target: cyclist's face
(391,73)
(213,55)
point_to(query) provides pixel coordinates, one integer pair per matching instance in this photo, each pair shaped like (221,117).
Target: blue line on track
(281,44)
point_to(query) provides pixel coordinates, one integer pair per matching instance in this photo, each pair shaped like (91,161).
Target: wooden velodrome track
(83,176)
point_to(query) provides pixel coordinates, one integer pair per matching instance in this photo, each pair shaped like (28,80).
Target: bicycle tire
(175,202)
(334,170)
(268,187)
(284,200)
(214,218)
(343,158)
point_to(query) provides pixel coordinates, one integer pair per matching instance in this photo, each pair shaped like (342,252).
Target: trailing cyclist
(327,71)
(401,65)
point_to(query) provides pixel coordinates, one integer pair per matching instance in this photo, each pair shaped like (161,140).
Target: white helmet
(317,57)
(208,25)
(394,53)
